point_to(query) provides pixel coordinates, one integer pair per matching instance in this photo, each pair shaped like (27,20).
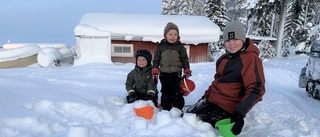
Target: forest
(294,23)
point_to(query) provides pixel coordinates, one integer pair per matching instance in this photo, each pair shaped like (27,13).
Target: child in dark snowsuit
(139,84)
(170,58)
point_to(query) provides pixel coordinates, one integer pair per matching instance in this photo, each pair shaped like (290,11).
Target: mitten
(155,71)
(149,95)
(239,122)
(187,73)
(132,97)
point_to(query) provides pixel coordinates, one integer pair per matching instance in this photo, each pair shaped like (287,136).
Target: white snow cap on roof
(193,29)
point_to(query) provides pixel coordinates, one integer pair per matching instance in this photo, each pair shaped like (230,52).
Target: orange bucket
(145,112)
(187,86)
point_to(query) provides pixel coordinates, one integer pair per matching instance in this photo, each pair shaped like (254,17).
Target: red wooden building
(116,37)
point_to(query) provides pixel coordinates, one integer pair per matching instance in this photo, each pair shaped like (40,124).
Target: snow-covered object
(51,56)
(310,74)
(144,109)
(11,54)
(67,52)
(48,56)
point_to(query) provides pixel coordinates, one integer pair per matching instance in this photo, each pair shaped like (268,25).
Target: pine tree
(183,8)
(262,18)
(174,7)
(298,26)
(216,12)
(266,49)
(165,7)
(237,10)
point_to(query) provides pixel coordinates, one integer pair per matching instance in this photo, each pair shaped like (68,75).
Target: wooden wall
(198,53)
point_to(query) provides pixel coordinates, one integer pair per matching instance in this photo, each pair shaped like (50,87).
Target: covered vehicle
(310,74)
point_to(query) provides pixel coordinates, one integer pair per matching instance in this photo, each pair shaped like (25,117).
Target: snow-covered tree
(262,18)
(266,49)
(216,11)
(183,7)
(237,10)
(174,7)
(165,7)
(300,14)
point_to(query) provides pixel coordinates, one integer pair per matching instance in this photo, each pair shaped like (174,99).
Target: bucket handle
(185,82)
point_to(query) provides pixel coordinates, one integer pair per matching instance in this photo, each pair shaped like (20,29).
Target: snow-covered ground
(56,101)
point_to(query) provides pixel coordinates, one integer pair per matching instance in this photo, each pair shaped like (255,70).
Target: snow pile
(56,102)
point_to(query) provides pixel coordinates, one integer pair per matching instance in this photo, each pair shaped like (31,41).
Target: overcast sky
(43,21)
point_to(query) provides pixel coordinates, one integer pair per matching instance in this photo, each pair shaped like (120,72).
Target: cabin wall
(197,53)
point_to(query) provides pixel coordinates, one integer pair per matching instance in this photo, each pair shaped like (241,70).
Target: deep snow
(47,102)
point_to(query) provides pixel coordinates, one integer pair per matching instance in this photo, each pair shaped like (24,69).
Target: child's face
(142,61)
(233,45)
(172,36)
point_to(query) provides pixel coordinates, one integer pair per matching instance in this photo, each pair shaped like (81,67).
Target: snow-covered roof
(41,45)
(147,27)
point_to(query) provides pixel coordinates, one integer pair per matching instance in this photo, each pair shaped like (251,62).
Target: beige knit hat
(169,27)
(234,30)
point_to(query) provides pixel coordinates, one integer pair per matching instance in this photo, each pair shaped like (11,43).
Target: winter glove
(187,73)
(155,71)
(132,97)
(199,105)
(239,122)
(149,95)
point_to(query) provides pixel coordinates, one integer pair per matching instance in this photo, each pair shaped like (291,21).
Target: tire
(310,89)
(315,94)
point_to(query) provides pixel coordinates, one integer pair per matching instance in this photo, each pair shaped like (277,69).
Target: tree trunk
(281,27)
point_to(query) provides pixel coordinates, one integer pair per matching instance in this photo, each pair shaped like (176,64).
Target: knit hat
(145,53)
(169,27)
(234,30)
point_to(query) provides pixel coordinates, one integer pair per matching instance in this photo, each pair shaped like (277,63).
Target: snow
(47,53)
(192,29)
(90,99)
(41,45)
(10,54)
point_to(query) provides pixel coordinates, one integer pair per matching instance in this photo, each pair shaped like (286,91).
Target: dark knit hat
(234,30)
(145,53)
(169,27)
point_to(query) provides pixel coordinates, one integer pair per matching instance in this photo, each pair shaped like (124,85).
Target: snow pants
(208,112)
(171,92)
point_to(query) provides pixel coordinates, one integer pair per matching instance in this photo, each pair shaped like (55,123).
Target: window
(122,50)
